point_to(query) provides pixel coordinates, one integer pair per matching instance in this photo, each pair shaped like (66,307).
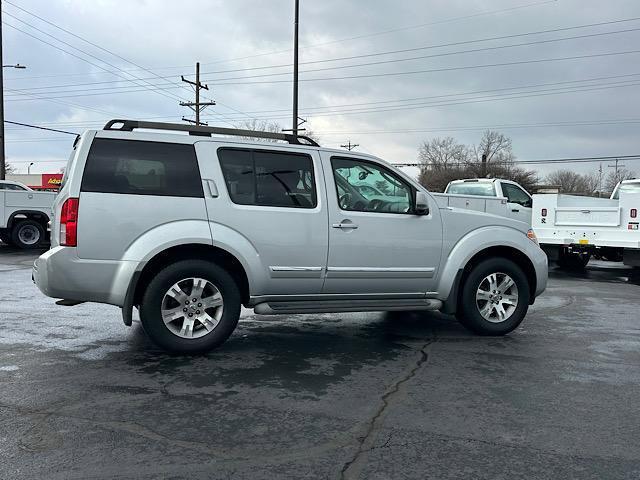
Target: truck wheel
(27,234)
(494,297)
(190,307)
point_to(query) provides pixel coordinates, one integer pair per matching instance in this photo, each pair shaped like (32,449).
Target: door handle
(345,224)
(515,210)
(213,188)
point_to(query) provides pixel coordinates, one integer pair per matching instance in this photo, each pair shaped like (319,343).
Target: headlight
(532,236)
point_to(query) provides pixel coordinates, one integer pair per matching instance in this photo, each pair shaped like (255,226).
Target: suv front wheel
(190,307)
(494,298)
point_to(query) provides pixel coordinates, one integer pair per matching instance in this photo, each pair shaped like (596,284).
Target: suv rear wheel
(191,306)
(494,298)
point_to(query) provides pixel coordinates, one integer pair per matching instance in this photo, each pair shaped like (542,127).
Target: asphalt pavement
(331,396)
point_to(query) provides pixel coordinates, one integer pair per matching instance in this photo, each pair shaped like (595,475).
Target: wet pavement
(371,396)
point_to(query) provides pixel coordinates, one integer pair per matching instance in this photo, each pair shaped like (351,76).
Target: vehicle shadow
(305,354)
(606,272)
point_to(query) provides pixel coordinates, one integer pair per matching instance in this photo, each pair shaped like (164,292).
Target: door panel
(276,200)
(376,243)
(518,201)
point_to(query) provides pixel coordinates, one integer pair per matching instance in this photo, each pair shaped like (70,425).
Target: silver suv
(187,228)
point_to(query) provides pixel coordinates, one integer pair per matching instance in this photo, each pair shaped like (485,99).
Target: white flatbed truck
(24,215)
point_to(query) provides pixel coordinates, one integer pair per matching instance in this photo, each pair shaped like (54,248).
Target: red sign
(51,180)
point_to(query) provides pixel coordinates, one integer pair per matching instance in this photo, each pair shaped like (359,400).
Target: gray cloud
(168,37)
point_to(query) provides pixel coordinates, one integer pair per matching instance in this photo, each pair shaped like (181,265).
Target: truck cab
(519,202)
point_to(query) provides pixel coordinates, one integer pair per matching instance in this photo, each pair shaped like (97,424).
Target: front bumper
(59,273)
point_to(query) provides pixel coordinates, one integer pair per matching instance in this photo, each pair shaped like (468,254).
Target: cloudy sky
(561,78)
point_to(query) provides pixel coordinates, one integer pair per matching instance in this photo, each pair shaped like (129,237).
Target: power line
(41,128)
(433,70)
(536,162)
(135,80)
(395,52)
(119,72)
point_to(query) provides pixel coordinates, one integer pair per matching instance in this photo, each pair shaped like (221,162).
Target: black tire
(28,234)
(151,306)
(468,312)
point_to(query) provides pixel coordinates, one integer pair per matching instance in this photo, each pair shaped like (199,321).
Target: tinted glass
(273,179)
(11,186)
(365,187)
(469,188)
(516,195)
(142,168)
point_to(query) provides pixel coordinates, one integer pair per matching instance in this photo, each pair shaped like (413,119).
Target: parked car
(187,228)
(519,202)
(24,215)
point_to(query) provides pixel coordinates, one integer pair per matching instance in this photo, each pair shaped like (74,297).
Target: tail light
(544,212)
(69,223)
(634,213)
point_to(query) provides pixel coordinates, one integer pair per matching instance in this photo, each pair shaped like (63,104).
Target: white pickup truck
(571,228)
(501,197)
(24,214)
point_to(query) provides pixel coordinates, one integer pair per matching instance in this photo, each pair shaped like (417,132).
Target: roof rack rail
(130,125)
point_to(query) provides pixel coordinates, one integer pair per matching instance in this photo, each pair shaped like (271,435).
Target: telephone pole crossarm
(196,106)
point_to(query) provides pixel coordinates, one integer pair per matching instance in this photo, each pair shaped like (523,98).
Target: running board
(336,306)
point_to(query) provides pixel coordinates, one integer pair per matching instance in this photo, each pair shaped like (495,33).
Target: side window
(10,186)
(366,187)
(268,178)
(142,168)
(516,195)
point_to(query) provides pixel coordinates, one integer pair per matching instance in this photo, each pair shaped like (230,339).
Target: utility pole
(3,163)
(294,123)
(196,106)
(616,166)
(600,181)
(350,146)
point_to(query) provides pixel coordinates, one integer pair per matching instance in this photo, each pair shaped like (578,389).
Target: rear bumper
(59,273)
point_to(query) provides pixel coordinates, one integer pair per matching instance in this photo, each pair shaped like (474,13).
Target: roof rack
(130,125)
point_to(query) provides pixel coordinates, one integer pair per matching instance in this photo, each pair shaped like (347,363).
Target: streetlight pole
(29,168)
(294,125)
(3,163)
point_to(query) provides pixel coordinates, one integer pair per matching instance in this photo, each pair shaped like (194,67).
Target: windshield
(626,188)
(469,188)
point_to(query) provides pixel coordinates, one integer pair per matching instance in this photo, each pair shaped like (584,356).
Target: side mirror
(422,203)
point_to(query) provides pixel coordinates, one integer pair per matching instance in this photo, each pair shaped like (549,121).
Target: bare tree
(618,176)
(573,182)
(273,127)
(8,168)
(442,153)
(496,146)
(444,160)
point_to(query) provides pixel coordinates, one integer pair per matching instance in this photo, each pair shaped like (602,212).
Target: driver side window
(516,195)
(365,187)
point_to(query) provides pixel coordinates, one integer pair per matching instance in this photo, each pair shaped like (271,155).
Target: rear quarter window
(142,168)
